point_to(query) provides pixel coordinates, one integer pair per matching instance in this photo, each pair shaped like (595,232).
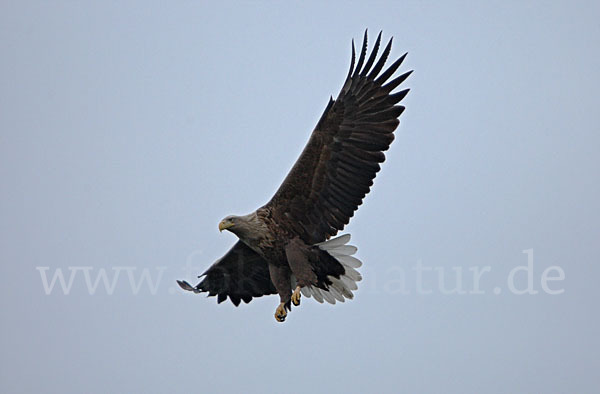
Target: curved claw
(280,313)
(296,296)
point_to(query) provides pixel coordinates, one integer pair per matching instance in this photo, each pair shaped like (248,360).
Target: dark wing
(241,274)
(337,167)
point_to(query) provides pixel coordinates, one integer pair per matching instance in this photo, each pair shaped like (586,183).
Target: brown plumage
(284,244)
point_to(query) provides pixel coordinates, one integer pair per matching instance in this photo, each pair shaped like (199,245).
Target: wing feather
(240,275)
(342,157)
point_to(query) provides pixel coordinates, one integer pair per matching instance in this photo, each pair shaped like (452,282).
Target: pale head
(247,227)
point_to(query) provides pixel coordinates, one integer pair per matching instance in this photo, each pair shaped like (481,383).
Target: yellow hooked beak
(225,224)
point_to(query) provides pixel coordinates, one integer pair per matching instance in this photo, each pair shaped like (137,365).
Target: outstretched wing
(240,275)
(337,167)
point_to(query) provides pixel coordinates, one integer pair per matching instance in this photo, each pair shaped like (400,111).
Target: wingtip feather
(186,286)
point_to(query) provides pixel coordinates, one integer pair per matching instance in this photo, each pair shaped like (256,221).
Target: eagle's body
(285,245)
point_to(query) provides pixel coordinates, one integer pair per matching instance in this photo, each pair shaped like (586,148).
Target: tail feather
(340,289)
(344,250)
(349,261)
(335,242)
(316,292)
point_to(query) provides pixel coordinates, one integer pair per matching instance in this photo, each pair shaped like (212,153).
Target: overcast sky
(128,130)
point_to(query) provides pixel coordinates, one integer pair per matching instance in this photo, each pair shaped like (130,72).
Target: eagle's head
(229,222)
(246,227)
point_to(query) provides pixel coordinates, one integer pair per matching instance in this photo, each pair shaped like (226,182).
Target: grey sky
(129,130)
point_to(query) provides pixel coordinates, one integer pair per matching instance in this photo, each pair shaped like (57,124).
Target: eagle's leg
(296,296)
(280,276)
(298,256)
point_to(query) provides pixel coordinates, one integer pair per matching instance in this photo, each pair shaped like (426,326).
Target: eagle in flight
(285,247)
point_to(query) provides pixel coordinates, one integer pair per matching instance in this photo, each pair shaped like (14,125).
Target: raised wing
(240,275)
(337,167)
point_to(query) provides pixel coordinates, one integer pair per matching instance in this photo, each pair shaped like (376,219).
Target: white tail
(341,288)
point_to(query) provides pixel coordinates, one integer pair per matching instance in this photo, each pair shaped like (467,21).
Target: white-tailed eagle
(285,247)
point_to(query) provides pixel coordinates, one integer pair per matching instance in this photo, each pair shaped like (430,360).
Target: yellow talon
(296,296)
(280,313)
